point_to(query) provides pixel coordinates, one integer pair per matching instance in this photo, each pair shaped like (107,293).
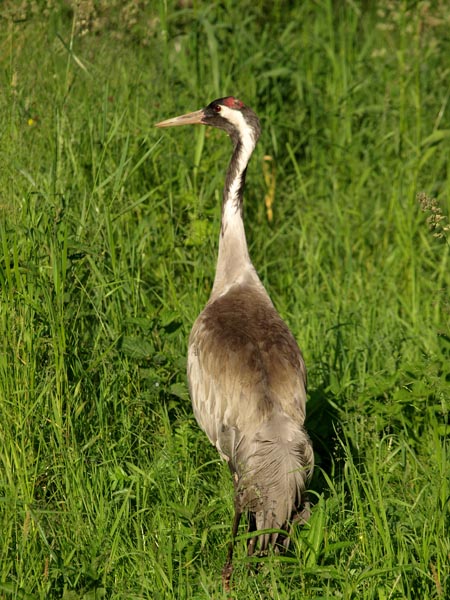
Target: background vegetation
(109,229)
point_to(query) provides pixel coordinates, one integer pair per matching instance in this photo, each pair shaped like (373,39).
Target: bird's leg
(251,544)
(228,568)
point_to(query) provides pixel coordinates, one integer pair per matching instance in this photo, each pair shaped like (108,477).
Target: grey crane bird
(247,377)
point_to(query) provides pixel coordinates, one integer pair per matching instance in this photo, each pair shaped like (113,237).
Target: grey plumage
(247,377)
(247,383)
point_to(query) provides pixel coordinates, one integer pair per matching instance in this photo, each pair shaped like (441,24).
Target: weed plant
(108,489)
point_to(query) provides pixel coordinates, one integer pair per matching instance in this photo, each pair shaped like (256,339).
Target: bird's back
(248,386)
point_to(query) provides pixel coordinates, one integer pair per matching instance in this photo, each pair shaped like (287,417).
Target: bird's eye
(217,108)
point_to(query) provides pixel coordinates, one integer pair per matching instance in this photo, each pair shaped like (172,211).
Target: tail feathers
(273,469)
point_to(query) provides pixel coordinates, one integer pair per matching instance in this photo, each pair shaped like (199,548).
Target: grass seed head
(437,221)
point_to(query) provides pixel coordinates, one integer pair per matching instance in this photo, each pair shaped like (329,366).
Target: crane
(246,374)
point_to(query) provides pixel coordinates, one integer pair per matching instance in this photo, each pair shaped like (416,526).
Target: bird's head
(229,114)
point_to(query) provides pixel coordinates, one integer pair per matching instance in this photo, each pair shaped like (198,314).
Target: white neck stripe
(247,146)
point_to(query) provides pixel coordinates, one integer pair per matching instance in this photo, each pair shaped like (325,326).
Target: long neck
(233,261)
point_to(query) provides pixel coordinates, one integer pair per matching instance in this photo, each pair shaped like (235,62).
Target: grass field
(109,227)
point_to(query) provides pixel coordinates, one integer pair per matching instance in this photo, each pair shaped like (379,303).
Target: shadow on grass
(324,428)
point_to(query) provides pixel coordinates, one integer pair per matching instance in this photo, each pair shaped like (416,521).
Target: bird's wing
(243,363)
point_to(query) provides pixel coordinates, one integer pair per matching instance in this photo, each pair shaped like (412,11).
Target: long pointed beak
(191,118)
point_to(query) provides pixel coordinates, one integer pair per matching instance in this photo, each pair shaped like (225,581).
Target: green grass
(108,489)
